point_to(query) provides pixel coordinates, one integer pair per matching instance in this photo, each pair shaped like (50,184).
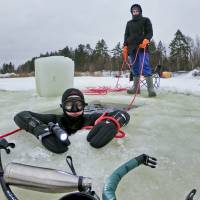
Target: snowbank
(185,83)
(16,84)
(8,75)
(193,74)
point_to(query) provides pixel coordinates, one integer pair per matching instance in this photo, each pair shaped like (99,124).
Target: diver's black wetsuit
(37,124)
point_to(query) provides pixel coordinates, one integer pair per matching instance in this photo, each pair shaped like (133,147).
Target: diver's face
(74,114)
(74,106)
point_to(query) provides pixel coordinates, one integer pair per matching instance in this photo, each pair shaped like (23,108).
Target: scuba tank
(44,179)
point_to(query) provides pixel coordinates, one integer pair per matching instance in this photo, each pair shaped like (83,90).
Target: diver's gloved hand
(61,134)
(106,128)
(147,160)
(52,137)
(31,124)
(27,122)
(102,133)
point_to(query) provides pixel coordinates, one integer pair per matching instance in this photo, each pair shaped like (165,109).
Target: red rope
(120,133)
(95,91)
(129,65)
(138,85)
(102,90)
(87,127)
(105,90)
(10,133)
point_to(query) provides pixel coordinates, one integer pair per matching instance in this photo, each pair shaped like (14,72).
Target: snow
(17,84)
(7,75)
(184,83)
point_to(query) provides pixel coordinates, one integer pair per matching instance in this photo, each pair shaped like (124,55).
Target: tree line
(184,54)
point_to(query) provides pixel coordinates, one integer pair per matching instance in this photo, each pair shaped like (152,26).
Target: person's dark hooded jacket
(137,29)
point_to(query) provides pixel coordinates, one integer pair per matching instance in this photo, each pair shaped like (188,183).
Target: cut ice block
(53,75)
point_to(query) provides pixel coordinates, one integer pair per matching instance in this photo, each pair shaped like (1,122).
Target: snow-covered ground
(166,127)
(185,83)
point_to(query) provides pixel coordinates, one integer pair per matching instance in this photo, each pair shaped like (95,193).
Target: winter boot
(136,83)
(150,87)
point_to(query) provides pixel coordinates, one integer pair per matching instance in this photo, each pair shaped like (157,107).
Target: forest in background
(184,54)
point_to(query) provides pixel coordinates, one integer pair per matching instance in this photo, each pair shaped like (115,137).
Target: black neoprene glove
(25,121)
(52,137)
(29,123)
(103,132)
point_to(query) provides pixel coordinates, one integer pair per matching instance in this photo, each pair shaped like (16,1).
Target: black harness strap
(70,164)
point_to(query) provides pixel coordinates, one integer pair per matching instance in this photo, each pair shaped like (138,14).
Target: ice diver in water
(54,130)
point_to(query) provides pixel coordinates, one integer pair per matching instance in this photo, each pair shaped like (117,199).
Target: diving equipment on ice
(44,179)
(85,193)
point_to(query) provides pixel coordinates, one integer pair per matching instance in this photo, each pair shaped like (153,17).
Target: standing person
(54,130)
(138,34)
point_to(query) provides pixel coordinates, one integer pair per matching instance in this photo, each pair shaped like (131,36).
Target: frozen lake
(166,127)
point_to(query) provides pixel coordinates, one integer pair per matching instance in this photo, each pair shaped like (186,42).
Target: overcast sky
(31,27)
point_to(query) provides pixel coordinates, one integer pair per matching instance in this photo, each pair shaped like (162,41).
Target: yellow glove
(144,44)
(125,53)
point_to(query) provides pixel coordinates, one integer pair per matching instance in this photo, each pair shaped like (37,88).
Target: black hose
(5,187)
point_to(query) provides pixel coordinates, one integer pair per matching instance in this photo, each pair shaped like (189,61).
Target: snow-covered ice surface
(185,83)
(166,127)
